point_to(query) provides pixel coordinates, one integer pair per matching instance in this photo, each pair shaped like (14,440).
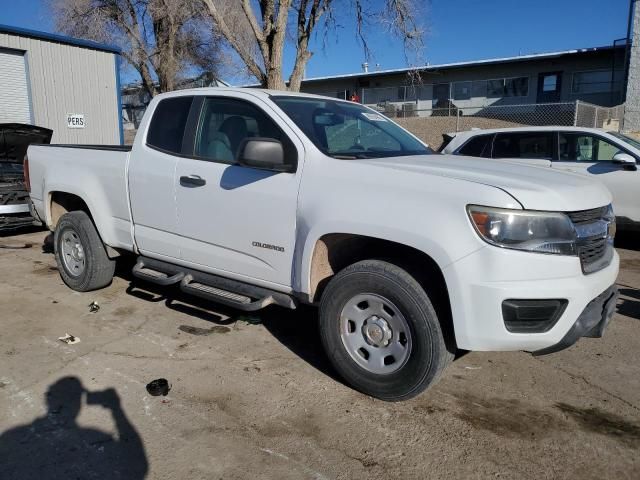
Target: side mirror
(627,161)
(263,153)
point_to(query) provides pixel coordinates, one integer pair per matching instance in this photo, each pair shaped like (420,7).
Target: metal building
(68,85)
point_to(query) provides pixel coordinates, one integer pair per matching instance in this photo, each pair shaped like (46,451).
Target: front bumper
(592,322)
(479,283)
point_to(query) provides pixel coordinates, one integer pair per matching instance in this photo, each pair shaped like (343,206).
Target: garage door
(14,94)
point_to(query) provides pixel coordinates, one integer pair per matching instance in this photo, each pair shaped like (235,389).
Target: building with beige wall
(68,85)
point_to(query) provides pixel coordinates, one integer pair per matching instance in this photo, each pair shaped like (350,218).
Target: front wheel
(80,254)
(381,332)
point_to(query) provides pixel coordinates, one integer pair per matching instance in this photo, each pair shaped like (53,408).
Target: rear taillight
(27,180)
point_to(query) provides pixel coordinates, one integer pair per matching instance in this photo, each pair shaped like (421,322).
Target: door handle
(192,181)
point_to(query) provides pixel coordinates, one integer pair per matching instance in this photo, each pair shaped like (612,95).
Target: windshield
(349,130)
(631,141)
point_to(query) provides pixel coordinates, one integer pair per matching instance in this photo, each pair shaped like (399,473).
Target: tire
(357,293)
(87,267)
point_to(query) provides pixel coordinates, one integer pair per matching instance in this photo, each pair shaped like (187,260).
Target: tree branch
(246,57)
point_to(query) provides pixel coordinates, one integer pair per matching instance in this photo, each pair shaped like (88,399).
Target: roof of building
(472,63)
(54,37)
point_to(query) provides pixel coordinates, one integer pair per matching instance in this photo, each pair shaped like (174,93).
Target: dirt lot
(254,397)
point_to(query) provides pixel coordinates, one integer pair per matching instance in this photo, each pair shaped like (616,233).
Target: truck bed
(95,173)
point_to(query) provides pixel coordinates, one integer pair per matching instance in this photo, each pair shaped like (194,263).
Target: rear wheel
(381,332)
(80,254)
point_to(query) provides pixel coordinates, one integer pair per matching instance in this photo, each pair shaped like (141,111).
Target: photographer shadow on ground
(56,447)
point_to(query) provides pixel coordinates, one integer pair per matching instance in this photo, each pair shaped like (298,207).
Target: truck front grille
(592,255)
(595,246)
(13,196)
(587,216)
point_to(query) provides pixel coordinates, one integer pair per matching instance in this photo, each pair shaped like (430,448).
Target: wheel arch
(334,251)
(60,202)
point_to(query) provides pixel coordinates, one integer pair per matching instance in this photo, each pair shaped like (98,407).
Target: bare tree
(163,40)
(257,30)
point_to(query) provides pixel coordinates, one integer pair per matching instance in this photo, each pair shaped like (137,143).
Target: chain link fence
(431,124)
(595,116)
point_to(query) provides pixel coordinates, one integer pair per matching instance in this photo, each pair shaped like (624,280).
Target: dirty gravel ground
(254,397)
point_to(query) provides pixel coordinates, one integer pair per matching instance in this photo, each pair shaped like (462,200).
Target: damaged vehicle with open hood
(15,138)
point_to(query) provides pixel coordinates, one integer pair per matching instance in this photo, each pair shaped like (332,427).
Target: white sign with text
(75,120)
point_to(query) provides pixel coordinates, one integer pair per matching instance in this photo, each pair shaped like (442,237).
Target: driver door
(592,155)
(235,220)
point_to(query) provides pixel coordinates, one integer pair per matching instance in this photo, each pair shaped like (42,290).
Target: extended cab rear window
(166,131)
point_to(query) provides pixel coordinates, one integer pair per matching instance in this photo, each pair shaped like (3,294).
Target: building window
(495,88)
(479,88)
(516,87)
(508,87)
(596,81)
(550,83)
(462,90)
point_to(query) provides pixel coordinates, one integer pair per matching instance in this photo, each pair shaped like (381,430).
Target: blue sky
(458,30)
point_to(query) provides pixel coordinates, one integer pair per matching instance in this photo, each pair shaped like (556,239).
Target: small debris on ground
(94,307)
(158,387)
(47,244)
(69,339)
(251,319)
(16,246)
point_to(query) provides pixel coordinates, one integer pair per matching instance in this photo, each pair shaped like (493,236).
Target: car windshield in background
(349,130)
(631,141)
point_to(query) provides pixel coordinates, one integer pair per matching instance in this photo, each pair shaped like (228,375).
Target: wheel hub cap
(375,333)
(77,253)
(72,253)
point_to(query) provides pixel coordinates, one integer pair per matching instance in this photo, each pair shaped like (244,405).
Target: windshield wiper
(349,155)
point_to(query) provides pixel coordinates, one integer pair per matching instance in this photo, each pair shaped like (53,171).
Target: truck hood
(15,138)
(535,188)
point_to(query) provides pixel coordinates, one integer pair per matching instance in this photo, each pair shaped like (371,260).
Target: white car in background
(609,157)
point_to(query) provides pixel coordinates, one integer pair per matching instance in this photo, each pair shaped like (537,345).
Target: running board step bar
(233,293)
(143,272)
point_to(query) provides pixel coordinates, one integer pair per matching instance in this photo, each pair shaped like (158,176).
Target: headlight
(542,232)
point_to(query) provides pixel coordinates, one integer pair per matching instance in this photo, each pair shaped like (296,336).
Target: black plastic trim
(110,148)
(592,322)
(513,308)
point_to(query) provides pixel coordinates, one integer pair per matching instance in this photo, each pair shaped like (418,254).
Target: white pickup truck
(251,198)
